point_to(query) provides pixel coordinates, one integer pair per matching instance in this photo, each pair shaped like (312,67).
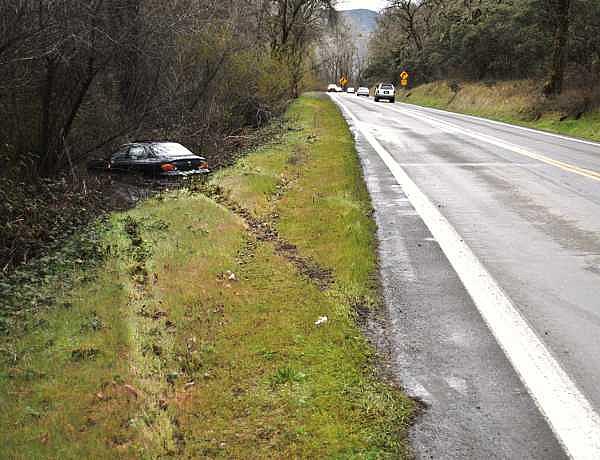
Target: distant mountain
(363,21)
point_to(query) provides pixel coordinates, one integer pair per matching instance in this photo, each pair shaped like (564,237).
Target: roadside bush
(38,216)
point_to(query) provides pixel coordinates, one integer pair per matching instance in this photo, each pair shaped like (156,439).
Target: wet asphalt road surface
(533,222)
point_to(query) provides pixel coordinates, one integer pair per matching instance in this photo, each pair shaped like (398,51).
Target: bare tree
(338,54)
(295,25)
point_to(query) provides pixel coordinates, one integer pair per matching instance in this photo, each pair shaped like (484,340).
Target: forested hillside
(552,41)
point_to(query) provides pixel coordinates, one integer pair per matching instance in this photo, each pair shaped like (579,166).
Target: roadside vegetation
(533,62)
(79,79)
(517,102)
(216,321)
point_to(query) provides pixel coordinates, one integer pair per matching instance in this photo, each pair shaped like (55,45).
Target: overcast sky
(374,5)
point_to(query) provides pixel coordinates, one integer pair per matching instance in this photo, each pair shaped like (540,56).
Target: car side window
(120,155)
(137,153)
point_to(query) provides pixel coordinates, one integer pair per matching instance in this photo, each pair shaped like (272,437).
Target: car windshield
(170,149)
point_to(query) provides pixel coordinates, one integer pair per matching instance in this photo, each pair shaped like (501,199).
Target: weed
(285,375)
(84,354)
(267,354)
(92,323)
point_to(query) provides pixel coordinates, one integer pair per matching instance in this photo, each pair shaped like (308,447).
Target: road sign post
(404,78)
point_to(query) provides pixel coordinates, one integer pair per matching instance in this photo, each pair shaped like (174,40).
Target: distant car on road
(385,91)
(332,88)
(350,90)
(363,91)
(339,89)
(164,159)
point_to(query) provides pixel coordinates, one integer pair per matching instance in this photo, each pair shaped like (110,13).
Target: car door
(138,158)
(119,161)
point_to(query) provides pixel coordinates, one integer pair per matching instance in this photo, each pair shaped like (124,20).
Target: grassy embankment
(197,336)
(517,102)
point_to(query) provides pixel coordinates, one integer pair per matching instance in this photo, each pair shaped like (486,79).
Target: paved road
(526,207)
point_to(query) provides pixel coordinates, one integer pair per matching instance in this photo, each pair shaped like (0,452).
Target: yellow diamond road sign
(404,75)
(343,81)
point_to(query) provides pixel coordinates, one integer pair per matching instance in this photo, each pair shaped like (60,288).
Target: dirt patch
(299,155)
(265,231)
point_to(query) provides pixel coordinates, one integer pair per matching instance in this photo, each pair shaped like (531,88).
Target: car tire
(392,100)
(376,99)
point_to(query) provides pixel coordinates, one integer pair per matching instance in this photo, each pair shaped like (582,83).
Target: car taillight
(203,165)
(167,167)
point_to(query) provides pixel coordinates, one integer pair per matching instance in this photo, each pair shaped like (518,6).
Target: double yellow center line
(590,174)
(564,166)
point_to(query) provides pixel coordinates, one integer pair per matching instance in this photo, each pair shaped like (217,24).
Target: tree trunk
(46,120)
(554,85)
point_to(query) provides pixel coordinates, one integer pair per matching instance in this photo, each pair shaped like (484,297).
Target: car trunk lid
(187,163)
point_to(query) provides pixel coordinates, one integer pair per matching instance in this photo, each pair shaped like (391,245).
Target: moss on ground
(197,337)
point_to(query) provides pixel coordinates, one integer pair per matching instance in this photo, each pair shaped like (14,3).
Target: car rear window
(387,87)
(170,149)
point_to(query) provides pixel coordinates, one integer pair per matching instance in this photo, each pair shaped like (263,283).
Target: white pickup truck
(385,91)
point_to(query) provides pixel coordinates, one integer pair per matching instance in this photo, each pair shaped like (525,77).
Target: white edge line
(501,123)
(567,411)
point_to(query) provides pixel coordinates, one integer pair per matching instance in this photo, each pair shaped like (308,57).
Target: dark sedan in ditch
(164,159)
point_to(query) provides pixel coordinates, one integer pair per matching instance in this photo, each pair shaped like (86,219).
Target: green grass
(163,355)
(587,127)
(515,102)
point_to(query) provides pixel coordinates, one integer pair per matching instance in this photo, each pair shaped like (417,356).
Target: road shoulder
(476,406)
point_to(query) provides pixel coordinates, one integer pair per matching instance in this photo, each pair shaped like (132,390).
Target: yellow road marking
(565,166)
(590,174)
